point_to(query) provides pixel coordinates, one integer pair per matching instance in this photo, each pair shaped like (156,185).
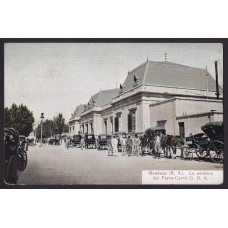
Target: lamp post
(41,126)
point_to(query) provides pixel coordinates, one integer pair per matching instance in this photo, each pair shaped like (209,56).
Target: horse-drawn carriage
(90,141)
(195,144)
(168,143)
(52,141)
(215,133)
(102,142)
(209,143)
(76,141)
(147,140)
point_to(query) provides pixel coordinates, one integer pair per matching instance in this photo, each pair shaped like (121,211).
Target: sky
(54,78)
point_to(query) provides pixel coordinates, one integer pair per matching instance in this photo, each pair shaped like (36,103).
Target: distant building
(74,122)
(175,96)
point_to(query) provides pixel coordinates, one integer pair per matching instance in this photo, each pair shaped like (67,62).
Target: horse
(170,143)
(144,144)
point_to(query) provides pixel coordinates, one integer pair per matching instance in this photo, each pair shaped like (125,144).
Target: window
(131,121)
(161,123)
(111,121)
(181,130)
(116,124)
(91,127)
(105,125)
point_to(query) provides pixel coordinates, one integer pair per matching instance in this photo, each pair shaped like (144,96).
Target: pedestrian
(129,145)
(157,145)
(82,142)
(109,144)
(67,142)
(137,145)
(123,142)
(115,146)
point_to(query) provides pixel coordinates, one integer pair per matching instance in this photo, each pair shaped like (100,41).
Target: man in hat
(109,144)
(129,145)
(115,146)
(123,142)
(137,145)
(157,146)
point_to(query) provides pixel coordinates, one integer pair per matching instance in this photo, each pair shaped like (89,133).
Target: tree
(20,118)
(59,124)
(47,129)
(52,127)
(66,128)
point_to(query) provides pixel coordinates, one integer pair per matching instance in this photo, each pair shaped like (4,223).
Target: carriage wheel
(200,152)
(215,148)
(187,153)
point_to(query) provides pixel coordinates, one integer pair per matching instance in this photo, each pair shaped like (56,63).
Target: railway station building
(177,97)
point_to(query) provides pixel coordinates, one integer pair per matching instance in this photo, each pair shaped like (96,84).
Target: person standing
(137,145)
(109,144)
(129,145)
(67,142)
(114,146)
(157,146)
(82,142)
(123,142)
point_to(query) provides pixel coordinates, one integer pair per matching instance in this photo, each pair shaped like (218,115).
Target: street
(49,165)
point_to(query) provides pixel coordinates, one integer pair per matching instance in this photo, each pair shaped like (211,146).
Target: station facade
(177,97)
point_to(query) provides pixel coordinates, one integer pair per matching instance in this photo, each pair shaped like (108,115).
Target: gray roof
(169,74)
(102,98)
(78,111)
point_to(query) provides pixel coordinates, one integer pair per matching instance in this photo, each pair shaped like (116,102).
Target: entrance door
(181,130)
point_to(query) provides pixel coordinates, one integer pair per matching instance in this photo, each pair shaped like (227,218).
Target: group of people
(129,146)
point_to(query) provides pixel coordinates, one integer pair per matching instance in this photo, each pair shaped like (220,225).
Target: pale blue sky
(53,78)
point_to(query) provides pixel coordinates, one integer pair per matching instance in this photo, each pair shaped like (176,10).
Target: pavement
(49,165)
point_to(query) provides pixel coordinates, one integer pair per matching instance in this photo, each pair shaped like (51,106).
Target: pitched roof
(102,98)
(78,111)
(169,74)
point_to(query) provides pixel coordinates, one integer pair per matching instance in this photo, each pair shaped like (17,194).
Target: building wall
(218,117)
(192,124)
(188,107)
(162,112)
(143,122)
(176,111)
(97,124)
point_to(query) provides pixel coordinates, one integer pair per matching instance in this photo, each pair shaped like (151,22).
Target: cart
(196,145)
(207,144)
(76,141)
(90,141)
(102,142)
(215,133)
(147,140)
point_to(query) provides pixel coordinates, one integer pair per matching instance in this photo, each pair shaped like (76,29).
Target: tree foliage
(53,127)
(20,118)
(47,131)
(59,123)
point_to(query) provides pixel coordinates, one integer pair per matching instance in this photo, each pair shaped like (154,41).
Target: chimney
(217,85)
